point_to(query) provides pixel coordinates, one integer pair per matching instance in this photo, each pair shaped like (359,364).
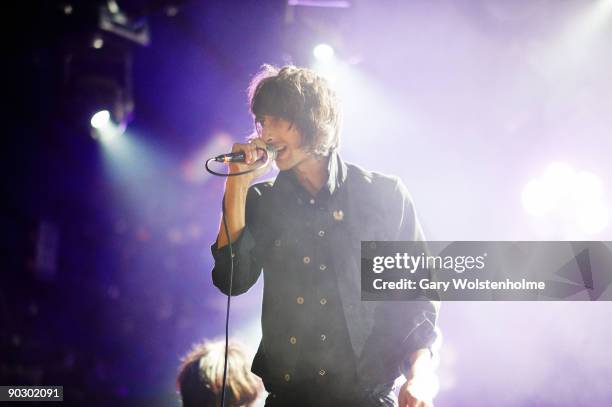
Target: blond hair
(200,378)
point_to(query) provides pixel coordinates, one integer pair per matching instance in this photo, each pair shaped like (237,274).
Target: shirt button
(323,301)
(322,267)
(312,201)
(323,337)
(287,377)
(322,372)
(300,300)
(321,233)
(293,340)
(306,260)
(277,242)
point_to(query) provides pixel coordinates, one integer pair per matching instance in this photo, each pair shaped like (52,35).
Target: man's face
(286,139)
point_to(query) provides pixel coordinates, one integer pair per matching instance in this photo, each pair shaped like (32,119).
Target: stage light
(96,94)
(105,128)
(97,42)
(171,11)
(545,194)
(109,132)
(100,119)
(113,7)
(323,52)
(571,201)
(594,218)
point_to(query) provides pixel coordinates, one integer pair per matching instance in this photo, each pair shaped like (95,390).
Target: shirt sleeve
(400,327)
(409,227)
(423,331)
(247,265)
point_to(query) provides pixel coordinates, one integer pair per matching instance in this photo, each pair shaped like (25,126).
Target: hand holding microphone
(248,160)
(246,154)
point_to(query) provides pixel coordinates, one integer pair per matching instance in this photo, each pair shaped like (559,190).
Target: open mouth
(280,150)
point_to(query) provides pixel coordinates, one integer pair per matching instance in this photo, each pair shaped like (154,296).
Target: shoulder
(260,189)
(258,199)
(374,181)
(258,194)
(385,198)
(386,192)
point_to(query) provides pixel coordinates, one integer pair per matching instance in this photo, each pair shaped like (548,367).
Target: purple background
(466,101)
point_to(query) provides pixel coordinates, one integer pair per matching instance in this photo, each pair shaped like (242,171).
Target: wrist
(238,184)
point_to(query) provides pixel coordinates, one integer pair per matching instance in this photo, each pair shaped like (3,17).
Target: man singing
(321,345)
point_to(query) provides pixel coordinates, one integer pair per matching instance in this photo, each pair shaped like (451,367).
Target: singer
(321,345)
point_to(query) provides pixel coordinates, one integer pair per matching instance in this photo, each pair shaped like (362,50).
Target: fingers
(250,151)
(260,147)
(259,142)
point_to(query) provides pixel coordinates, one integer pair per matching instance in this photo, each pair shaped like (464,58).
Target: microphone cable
(220,174)
(229,296)
(231,255)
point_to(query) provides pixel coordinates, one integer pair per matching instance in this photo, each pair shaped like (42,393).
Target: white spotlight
(100,119)
(97,42)
(570,200)
(323,52)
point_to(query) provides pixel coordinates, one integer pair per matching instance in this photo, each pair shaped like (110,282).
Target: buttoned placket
(312,229)
(321,217)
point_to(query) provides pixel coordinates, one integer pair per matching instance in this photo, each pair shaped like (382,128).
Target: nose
(265,135)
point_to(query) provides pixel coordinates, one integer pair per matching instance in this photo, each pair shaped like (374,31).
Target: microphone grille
(271,151)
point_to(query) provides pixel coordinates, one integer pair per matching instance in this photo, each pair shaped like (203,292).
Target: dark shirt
(317,333)
(325,355)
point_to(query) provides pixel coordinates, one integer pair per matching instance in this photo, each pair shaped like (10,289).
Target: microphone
(269,153)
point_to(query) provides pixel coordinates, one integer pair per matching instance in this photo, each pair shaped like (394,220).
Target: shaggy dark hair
(304,99)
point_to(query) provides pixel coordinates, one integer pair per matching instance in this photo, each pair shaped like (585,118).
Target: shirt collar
(336,169)
(337,172)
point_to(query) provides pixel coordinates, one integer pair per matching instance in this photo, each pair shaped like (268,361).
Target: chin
(282,166)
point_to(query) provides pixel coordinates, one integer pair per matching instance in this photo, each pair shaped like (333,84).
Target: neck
(312,173)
